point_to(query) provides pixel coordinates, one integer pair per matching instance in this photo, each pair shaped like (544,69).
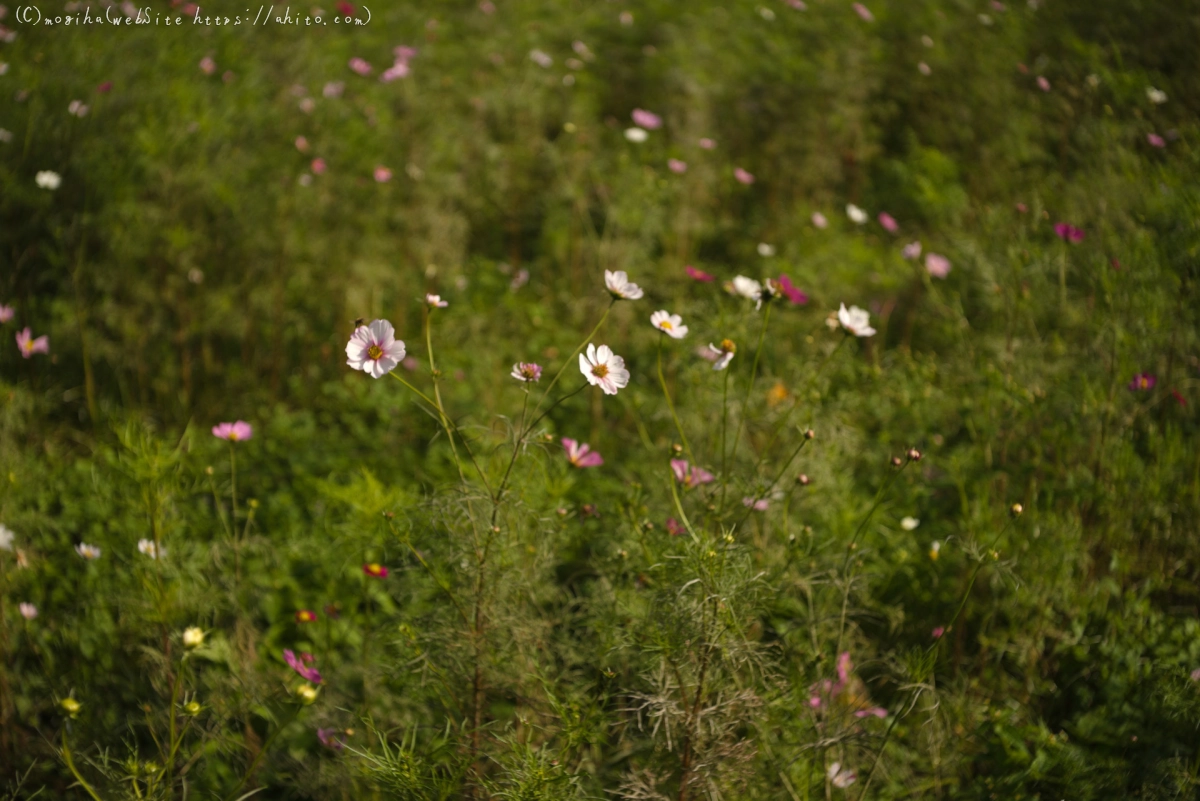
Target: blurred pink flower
(646,119)
(1196,674)
(382,175)
(397,70)
(487,7)
(793,293)
(1043,84)
(207,65)
(877,711)
(863,12)
(797,4)
(1156,140)
(404,54)
(707,143)
(938,632)
(937,266)
(888,222)
(912,250)
(674,528)
(318,166)
(581,454)
(374,349)
(1178,396)
(759,505)
(1021,207)
(309,673)
(328,738)
(29,346)
(698,275)
(690,476)
(28,611)
(6,313)
(345,9)
(333,89)
(374,570)
(818,219)
(360,66)
(676,166)
(1143,382)
(234,432)
(743,176)
(1068,233)
(105,87)
(302,144)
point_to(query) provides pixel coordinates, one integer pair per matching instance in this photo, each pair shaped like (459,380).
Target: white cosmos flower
(436,302)
(856,215)
(603,368)
(766,250)
(620,286)
(1157,96)
(724,353)
(88,552)
(909,523)
(747,287)
(48,179)
(150,549)
(6,538)
(374,349)
(855,320)
(670,324)
(841,777)
(636,134)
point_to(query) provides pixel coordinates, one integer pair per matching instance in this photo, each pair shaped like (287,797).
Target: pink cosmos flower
(328,738)
(1142,382)
(911,251)
(888,222)
(818,219)
(1195,675)
(674,528)
(742,176)
(1068,233)
(797,4)
(318,166)
(759,505)
(938,632)
(937,266)
(863,12)
(526,371)
(374,349)
(603,368)
(382,175)
(6,313)
(234,432)
(345,9)
(1043,84)
(676,166)
(707,144)
(646,119)
(1155,140)
(207,65)
(105,87)
(393,72)
(360,66)
(308,673)
(698,275)
(690,476)
(302,144)
(29,346)
(581,454)
(28,611)
(435,301)
(877,711)
(1178,396)
(404,54)
(793,293)
(1021,207)
(333,89)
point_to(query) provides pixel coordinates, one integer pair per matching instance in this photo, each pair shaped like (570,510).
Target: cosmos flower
(333,89)
(1043,84)
(526,371)
(759,505)
(706,143)
(382,174)
(636,135)
(863,12)
(924,68)
(6,313)
(318,166)
(855,320)
(619,285)
(937,266)
(207,65)
(48,179)
(540,58)
(839,776)
(305,616)
(193,637)
(888,222)
(724,353)
(77,108)
(1157,96)
(148,548)
(375,570)
(911,251)
(327,736)
(603,368)
(856,215)
(674,528)
(938,631)
(690,476)
(742,176)
(670,324)
(360,66)
(909,523)
(581,454)
(646,119)
(435,301)
(1155,140)
(794,294)
(6,538)
(676,166)
(694,274)
(765,250)
(29,346)
(1142,382)
(88,552)
(299,665)
(302,144)
(1068,232)
(28,611)
(818,219)
(748,288)
(234,432)
(306,694)
(374,349)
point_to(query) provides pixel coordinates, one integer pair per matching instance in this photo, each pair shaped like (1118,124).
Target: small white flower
(856,215)
(603,368)
(724,353)
(77,109)
(766,14)
(6,538)
(541,59)
(927,40)
(670,324)
(435,302)
(5,135)
(150,549)
(909,523)
(28,611)
(855,320)
(924,69)
(636,134)
(985,19)
(48,179)
(88,552)
(3,67)
(765,250)
(841,778)
(193,637)
(620,286)
(1157,96)
(818,219)
(935,548)
(748,288)
(374,349)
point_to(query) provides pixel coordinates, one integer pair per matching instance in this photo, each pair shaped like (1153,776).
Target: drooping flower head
(306,671)
(435,301)
(1143,382)
(375,570)
(603,368)
(619,285)
(724,353)
(88,552)
(698,275)
(580,454)
(936,265)
(670,324)
(149,548)
(6,313)
(1068,232)
(29,346)
(855,320)
(526,371)
(374,349)
(690,476)
(305,616)
(795,295)
(328,738)
(646,119)
(234,432)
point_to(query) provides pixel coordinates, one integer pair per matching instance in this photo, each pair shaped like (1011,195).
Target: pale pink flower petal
(742,176)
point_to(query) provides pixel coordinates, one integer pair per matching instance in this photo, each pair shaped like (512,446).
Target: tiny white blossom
(150,549)
(856,215)
(436,302)
(670,324)
(855,320)
(620,286)
(1157,96)
(909,523)
(6,538)
(766,250)
(540,58)
(88,552)
(48,179)
(636,134)
(603,368)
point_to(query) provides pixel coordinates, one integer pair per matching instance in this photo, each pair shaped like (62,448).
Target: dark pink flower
(1155,140)
(674,528)
(888,222)
(318,166)
(938,632)
(646,119)
(345,9)
(1116,265)
(863,12)
(690,476)
(375,570)
(581,454)
(104,88)
(1143,382)
(676,166)
(234,432)
(382,174)
(1068,232)
(1178,396)
(698,275)
(793,293)
(328,738)
(308,673)
(742,176)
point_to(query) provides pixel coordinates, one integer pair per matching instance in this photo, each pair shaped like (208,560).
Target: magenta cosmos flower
(581,454)
(1155,140)
(742,176)
(328,738)
(374,349)
(375,570)
(526,371)
(646,119)
(382,174)
(302,665)
(937,266)
(234,432)
(29,346)
(698,275)
(1142,382)
(793,293)
(676,166)
(888,222)
(6,313)
(603,368)
(1068,232)
(690,476)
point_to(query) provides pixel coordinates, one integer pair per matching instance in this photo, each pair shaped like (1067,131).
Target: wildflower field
(641,400)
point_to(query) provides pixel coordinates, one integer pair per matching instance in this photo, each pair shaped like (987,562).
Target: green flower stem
(571,358)
(762,334)
(75,771)
(670,405)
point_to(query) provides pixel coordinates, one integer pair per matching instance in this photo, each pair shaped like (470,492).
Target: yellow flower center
(728,346)
(665,325)
(374,352)
(600,370)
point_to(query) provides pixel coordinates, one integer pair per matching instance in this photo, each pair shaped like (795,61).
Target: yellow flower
(777,394)
(192,708)
(306,693)
(70,706)
(193,637)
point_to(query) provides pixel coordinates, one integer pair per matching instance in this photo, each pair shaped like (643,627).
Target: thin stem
(779,475)
(571,358)
(670,405)
(762,334)
(73,769)
(233,483)
(259,756)
(724,425)
(437,394)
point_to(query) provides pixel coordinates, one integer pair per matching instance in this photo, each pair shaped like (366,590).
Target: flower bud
(70,707)
(192,708)
(802,480)
(897,461)
(193,638)
(1016,509)
(809,434)
(914,455)
(677,448)
(306,694)
(208,471)
(252,503)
